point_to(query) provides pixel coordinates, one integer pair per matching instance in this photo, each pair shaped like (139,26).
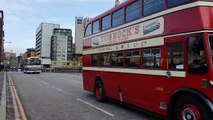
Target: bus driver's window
(197,63)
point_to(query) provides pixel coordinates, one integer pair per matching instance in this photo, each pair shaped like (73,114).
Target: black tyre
(191,108)
(99,91)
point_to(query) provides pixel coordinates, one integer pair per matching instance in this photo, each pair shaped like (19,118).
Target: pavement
(1,82)
(2,96)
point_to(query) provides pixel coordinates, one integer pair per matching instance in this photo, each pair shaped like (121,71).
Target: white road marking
(59,89)
(54,87)
(104,111)
(44,82)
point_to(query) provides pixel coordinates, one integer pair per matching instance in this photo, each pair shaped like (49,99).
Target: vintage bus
(153,54)
(32,65)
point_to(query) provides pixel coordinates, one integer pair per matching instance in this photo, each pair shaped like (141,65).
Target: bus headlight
(211,82)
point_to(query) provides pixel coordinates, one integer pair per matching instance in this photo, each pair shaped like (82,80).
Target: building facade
(10,60)
(80,25)
(61,47)
(1,38)
(43,42)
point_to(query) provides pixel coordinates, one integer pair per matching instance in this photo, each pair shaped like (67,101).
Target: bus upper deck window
(172,3)
(88,30)
(153,6)
(197,63)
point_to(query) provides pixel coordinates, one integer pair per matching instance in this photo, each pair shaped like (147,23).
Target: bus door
(166,66)
(186,63)
(197,62)
(175,67)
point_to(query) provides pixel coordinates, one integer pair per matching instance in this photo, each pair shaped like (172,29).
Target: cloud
(13,19)
(11,6)
(22,17)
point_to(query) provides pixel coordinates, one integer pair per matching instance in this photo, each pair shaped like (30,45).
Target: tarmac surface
(60,96)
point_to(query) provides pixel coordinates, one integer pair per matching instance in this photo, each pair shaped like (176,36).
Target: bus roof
(112,10)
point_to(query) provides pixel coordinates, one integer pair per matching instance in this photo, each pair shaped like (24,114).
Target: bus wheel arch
(182,95)
(99,89)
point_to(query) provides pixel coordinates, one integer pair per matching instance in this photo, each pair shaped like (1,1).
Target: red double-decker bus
(153,54)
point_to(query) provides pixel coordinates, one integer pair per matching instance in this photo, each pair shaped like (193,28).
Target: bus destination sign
(145,29)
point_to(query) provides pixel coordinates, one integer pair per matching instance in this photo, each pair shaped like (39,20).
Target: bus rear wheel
(190,108)
(99,91)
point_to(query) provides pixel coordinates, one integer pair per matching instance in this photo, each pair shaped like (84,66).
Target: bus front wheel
(99,91)
(190,108)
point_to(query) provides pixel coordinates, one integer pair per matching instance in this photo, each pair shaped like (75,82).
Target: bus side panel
(206,15)
(112,84)
(88,80)
(180,24)
(145,91)
(87,60)
(87,43)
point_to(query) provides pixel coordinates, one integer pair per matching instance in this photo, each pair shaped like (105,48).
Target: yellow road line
(13,99)
(20,105)
(23,115)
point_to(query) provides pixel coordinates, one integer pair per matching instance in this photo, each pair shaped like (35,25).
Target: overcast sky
(22,17)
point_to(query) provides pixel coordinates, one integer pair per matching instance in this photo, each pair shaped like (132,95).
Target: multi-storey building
(61,47)
(10,59)
(43,42)
(1,38)
(80,24)
(73,49)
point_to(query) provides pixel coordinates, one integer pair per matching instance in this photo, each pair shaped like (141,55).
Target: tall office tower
(61,47)
(43,42)
(80,24)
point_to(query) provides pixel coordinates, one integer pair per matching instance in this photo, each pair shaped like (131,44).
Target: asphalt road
(58,96)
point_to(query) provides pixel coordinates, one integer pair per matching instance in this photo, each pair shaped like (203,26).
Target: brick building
(1,37)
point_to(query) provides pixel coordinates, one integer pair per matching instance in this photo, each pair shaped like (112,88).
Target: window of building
(132,58)
(106,22)
(105,59)
(172,3)
(133,11)
(152,6)
(175,56)
(117,59)
(88,30)
(152,57)
(197,62)
(96,26)
(118,17)
(95,60)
